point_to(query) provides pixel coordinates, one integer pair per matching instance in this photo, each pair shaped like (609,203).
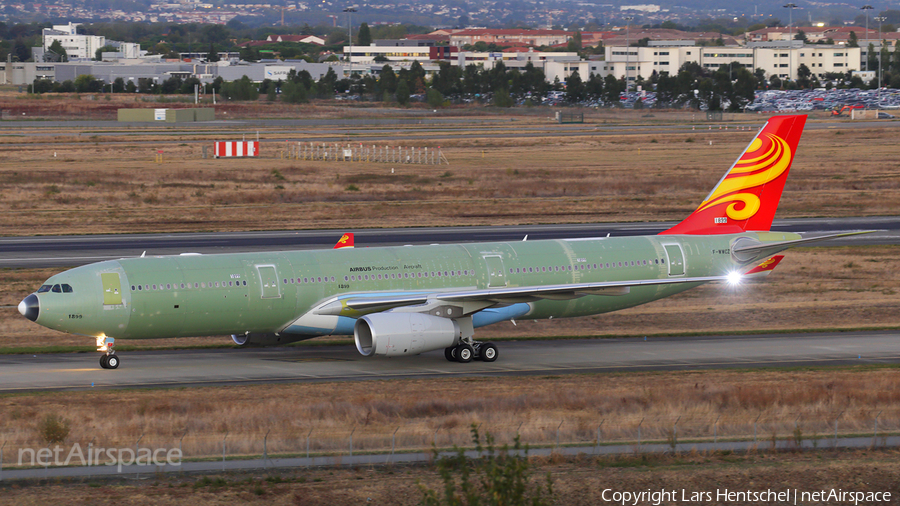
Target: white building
(83,47)
(777,58)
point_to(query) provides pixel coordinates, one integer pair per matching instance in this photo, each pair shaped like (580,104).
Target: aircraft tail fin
(346,241)
(746,198)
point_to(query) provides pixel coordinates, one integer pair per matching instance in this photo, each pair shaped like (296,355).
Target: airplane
(408,300)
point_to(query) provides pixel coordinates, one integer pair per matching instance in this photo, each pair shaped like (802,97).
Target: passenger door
(496,276)
(268,282)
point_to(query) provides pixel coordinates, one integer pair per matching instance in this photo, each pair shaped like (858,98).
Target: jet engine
(260,340)
(398,334)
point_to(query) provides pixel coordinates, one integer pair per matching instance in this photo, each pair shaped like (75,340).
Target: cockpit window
(66,288)
(56,289)
(44,288)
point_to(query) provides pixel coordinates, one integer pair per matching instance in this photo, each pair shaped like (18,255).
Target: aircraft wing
(505,295)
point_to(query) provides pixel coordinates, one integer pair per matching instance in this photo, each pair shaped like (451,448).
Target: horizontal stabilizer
(764,249)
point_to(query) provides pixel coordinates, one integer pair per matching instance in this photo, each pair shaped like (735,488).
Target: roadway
(67,251)
(299,364)
(378,130)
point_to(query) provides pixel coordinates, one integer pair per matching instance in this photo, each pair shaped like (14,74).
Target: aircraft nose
(30,307)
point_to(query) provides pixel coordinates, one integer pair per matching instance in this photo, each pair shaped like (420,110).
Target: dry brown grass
(441,411)
(576,482)
(110,183)
(816,288)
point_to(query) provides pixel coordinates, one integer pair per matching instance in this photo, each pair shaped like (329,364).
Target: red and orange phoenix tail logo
(747,197)
(765,267)
(346,241)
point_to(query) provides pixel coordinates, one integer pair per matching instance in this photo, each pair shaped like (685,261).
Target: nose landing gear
(109,359)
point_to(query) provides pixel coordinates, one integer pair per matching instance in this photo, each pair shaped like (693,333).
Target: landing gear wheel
(464,353)
(488,352)
(104,361)
(450,353)
(112,362)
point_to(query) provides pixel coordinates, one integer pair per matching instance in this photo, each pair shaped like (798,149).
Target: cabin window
(66,288)
(346,278)
(44,288)
(332,279)
(154,287)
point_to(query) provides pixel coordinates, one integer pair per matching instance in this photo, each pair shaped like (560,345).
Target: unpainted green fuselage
(200,295)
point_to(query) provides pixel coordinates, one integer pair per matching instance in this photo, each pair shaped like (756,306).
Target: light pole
(349,10)
(627,49)
(866,8)
(880,19)
(790,8)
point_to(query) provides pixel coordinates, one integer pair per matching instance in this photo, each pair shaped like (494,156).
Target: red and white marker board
(237,148)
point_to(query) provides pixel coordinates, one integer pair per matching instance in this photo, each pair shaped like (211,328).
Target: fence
(328,152)
(616,436)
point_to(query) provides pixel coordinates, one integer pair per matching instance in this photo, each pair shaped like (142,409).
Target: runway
(300,364)
(68,251)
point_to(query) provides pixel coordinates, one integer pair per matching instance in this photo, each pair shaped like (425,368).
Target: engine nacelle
(398,334)
(261,340)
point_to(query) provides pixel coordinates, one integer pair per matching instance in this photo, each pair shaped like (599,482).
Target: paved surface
(171,368)
(78,250)
(214,466)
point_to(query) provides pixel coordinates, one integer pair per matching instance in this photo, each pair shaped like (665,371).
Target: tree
(171,85)
(364,36)
(59,50)
(40,86)
(871,58)
(20,50)
(328,83)
(895,58)
(502,99)
(242,89)
(744,88)
(800,35)
(403,92)
(86,83)
(612,88)
(574,87)
(212,55)
(387,81)
(852,40)
(803,75)
(98,54)
(434,98)
(293,92)
(249,54)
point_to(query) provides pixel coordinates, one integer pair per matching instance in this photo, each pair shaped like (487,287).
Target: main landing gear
(465,352)
(109,359)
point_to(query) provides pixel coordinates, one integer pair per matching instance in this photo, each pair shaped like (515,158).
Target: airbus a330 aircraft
(414,299)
